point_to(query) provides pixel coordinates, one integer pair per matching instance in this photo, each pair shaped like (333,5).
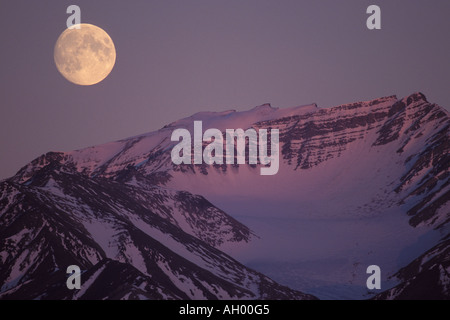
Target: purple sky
(178,57)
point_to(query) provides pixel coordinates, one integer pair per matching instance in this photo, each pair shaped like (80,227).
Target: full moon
(85,56)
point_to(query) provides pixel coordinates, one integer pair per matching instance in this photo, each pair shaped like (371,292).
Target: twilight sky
(179,57)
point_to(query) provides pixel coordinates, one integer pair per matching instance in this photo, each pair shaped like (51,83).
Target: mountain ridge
(385,159)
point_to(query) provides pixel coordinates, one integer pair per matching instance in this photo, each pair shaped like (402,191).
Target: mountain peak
(265,106)
(415,97)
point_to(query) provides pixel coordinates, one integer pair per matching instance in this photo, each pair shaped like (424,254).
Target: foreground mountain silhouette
(359,184)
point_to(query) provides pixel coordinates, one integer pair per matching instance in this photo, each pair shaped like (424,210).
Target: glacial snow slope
(359,184)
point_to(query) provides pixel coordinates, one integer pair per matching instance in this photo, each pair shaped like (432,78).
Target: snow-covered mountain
(359,184)
(131,240)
